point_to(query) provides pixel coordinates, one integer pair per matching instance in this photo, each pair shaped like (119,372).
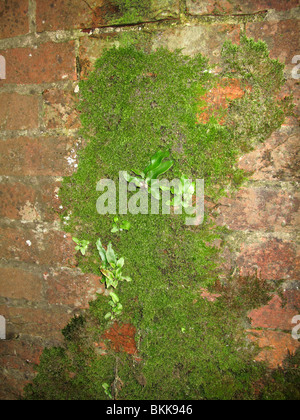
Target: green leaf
(115,229)
(120,263)
(102,252)
(110,255)
(155,161)
(114,297)
(128,279)
(108,315)
(125,225)
(161,169)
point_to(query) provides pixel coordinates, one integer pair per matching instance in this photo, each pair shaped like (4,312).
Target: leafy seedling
(82,246)
(157,167)
(183,193)
(116,307)
(111,266)
(107,391)
(120,227)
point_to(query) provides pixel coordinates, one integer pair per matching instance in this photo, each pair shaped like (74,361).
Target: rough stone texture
(46,49)
(260,209)
(59,109)
(277,159)
(270,259)
(68,288)
(275,346)
(224,7)
(276,314)
(69,14)
(20,284)
(204,39)
(32,156)
(13,18)
(49,62)
(19,113)
(282,38)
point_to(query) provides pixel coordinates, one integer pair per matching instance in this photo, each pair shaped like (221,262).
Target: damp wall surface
(48,46)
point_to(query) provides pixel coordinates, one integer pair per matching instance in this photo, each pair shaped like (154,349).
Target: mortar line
(32,16)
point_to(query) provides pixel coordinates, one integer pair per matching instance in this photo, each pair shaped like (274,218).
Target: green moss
(134,104)
(131,11)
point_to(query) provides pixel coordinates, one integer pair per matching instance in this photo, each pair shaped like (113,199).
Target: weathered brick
(25,156)
(19,284)
(276,159)
(275,314)
(51,248)
(270,259)
(121,338)
(218,99)
(205,39)
(275,345)
(18,112)
(50,62)
(260,208)
(282,38)
(13,18)
(21,356)
(75,14)
(223,7)
(60,109)
(76,290)
(51,203)
(92,48)
(34,321)
(18,201)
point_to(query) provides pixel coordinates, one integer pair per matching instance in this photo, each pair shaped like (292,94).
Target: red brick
(35,322)
(282,38)
(71,14)
(272,259)
(17,201)
(19,284)
(205,39)
(91,49)
(260,208)
(275,314)
(20,112)
(50,200)
(25,156)
(77,290)
(49,248)
(19,354)
(60,109)
(218,99)
(50,62)
(276,159)
(75,14)
(13,18)
(204,7)
(122,338)
(275,345)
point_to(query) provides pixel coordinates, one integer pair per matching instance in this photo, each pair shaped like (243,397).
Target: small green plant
(107,391)
(111,266)
(120,227)
(82,245)
(116,306)
(156,168)
(183,193)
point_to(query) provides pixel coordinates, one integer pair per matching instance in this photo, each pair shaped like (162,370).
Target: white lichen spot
(28,243)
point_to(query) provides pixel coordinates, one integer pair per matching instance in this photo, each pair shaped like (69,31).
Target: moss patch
(134,104)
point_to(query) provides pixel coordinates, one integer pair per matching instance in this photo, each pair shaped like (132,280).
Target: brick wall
(48,46)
